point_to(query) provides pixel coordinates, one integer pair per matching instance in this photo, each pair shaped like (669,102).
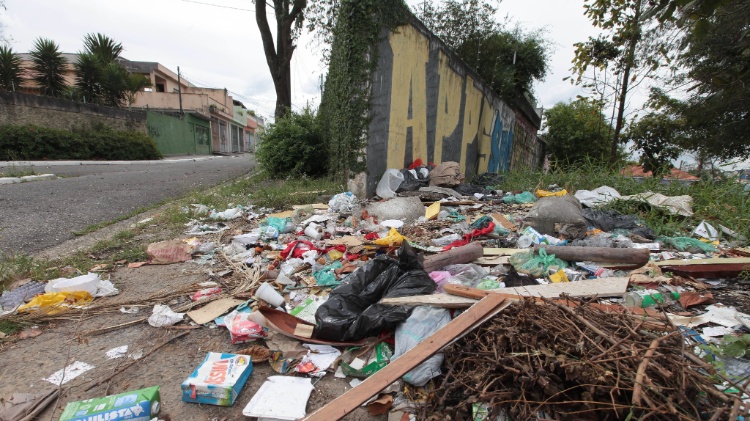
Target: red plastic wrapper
(242,330)
(205,293)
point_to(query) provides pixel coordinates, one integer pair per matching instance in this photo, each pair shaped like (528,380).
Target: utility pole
(179,89)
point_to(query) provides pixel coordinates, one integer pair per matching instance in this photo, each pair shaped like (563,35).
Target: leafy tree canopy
(577,132)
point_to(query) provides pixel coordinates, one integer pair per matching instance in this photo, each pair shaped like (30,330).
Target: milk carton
(218,380)
(138,405)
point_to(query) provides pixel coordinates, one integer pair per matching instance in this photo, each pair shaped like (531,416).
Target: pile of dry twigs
(549,360)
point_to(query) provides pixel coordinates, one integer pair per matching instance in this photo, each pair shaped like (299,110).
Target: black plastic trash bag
(412,182)
(609,220)
(352,313)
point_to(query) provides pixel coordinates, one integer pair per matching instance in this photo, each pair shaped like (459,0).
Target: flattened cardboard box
(137,405)
(218,380)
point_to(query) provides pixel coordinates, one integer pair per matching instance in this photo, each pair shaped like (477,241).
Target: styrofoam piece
(280,398)
(88,283)
(62,376)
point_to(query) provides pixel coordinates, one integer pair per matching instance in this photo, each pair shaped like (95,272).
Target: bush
(31,142)
(294,146)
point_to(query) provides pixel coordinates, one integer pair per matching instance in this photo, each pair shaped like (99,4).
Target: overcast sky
(220,46)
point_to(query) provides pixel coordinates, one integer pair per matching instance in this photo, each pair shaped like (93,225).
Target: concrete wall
(175,136)
(427,103)
(55,113)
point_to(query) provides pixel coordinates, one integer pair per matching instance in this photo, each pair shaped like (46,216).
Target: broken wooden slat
(492,260)
(707,268)
(715,260)
(602,287)
(502,252)
(461,325)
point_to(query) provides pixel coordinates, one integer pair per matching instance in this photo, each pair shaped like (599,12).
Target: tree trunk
(629,60)
(279,57)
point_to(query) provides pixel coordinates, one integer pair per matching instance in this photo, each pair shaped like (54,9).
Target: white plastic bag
(164,316)
(389,183)
(597,197)
(342,203)
(423,322)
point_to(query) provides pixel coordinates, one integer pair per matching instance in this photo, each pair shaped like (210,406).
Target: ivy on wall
(344,108)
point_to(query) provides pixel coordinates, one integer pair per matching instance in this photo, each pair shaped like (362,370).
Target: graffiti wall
(426,103)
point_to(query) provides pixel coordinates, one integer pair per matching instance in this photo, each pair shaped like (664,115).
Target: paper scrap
(118,352)
(60,377)
(213,310)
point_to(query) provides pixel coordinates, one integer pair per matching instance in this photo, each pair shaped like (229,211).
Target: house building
(29,85)
(217,105)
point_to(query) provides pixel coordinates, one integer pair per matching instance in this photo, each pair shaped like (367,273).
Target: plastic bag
(389,183)
(525,197)
(282,225)
(352,313)
(545,193)
(446,174)
(687,243)
(54,302)
(394,238)
(164,316)
(326,277)
(552,210)
(467,275)
(423,322)
(343,202)
(413,180)
(537,266)
(242,329)
(610,220)
(597,197)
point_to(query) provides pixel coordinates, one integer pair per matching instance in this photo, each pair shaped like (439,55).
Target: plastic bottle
(525,241)
(648,298)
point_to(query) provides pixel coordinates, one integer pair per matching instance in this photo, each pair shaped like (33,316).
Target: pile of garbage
(556,308)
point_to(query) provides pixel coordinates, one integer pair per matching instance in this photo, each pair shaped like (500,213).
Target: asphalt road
(40,214)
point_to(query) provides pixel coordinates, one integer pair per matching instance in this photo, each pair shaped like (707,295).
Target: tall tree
(10,69)
(716,79)
(88,76)
(100,76)
(509,60)
(577,132)
(48,66)
(630,50)
(654,136)
(289,18)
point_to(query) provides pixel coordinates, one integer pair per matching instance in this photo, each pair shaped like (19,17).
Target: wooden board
(502,252)
(319,206)
(461,325)
(713,261)
(603,287)
(493,260)
(213,310)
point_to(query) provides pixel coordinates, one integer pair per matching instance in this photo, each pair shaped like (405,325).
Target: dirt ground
(26,362)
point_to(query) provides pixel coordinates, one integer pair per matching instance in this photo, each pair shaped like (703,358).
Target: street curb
(24,179)
(150,162)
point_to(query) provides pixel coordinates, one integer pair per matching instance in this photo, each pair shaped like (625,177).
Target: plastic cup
(266,293)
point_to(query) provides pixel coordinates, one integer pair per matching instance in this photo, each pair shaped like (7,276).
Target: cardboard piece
(218,380)
(286,214)
(348,240)
(316,206)
(280,398)
(213,310)
(503,221)
(137,405)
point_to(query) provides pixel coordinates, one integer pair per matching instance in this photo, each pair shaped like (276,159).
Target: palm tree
(103,47)
(88,76)
(10,69)
(136,83)
(48,66)
(114,83)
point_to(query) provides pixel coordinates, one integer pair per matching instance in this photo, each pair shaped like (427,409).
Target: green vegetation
(717,201)
(13,171)
(10,69)
(577,132)
(95,142)
(48,66)
(293,147)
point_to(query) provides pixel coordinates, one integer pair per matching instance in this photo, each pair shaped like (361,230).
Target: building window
(159,87)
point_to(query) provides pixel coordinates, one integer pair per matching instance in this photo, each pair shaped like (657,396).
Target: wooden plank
(602,287)
(713,261)
(461,325)
(502,252)
(492,260)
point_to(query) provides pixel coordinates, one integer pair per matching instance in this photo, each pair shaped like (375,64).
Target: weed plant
(718,201)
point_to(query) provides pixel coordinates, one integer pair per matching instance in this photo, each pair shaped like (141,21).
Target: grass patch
(718,201)
(8,327)
(96,227)
(13,171)
(286,193)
